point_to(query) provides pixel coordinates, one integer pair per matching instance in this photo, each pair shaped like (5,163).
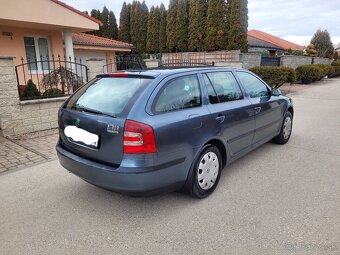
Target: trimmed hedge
(309,73)
(326,69)
(53,92)
(336,63)
(275,76)
(336,69)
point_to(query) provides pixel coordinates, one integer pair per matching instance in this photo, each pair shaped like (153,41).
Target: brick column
(9,96)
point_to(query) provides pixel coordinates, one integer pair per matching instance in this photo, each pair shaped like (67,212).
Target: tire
(205,173)
(286,129)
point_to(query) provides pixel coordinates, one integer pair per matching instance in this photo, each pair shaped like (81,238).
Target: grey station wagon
(142,132)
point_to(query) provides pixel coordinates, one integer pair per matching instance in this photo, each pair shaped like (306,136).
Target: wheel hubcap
(287,128)
(208,170)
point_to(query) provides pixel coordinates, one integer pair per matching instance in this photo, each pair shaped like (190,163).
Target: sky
(293,20)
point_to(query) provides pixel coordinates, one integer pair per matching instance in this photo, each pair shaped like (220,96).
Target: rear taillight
(139,138)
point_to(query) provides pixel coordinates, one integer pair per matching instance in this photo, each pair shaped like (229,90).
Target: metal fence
(270,61)
(125,62)
(49,77)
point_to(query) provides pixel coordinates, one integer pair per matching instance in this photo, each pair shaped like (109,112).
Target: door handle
(257,109)
(220,118)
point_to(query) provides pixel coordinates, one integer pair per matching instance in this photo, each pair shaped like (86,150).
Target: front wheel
(205,174)
(286,129)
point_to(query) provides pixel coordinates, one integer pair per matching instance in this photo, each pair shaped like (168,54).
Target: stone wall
(295,61)
(250,60)
(20,117)
(326,61)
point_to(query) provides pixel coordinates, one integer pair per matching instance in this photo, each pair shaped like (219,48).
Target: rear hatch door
(91,122)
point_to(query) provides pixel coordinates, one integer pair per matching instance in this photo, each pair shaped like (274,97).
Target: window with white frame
(37,53)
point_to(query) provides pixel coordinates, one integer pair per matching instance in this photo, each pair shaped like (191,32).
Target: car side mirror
(276,92)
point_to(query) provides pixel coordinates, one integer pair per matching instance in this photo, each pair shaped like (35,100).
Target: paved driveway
(276,200)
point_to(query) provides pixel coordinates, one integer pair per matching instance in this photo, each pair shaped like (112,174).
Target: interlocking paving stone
(27,149)
(10,152)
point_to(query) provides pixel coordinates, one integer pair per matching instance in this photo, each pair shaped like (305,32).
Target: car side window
(225,86)
(253,86)
(180,93)
(213,99)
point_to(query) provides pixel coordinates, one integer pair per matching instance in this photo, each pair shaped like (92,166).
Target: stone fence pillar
(151,63)
(95,66)
(231,64)
(9,96)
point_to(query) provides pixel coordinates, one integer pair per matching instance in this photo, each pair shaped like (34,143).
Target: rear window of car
(108,95)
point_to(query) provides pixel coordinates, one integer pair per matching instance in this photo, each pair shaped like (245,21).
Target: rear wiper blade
(85,109)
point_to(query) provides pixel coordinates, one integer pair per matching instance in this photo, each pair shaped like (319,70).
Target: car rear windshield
(111,96)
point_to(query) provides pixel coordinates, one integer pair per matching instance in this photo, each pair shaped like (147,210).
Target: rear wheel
(205,174)
(286,129)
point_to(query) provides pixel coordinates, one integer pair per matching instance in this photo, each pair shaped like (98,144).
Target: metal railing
(49,77)
(125,62)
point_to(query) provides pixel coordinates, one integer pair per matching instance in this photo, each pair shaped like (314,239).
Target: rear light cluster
(139,138)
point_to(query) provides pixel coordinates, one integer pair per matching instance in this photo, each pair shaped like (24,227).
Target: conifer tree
(157,20)
(138,26)
(143,27)
(105,21)
(197,24)
(124,23)
(113,28)
(171,26)
(151,31)
(216,25)
(162,29)
(134,14)
(97,15)
(323,44)
(237,25)
(182,25)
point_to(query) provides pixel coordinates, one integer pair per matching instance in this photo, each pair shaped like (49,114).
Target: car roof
(156,72)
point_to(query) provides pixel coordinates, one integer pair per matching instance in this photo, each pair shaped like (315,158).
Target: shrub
(336,72)
(309,73)
(31,90)
(326,69)
(275,76)
(291,74)
(336,63)
(336,69)
(53,92)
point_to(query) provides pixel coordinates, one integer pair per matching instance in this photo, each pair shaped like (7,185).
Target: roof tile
(275,40)
(92,40)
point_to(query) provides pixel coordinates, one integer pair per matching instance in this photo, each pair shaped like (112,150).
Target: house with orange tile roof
(260,40)
(40,29)
(88,46)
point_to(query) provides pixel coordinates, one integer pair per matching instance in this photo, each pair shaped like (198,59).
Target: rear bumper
(124,180)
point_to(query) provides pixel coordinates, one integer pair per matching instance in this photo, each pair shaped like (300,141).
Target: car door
(178,117)
(267,108)
(231,112)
